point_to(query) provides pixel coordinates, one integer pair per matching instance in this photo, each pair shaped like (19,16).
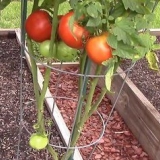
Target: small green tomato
(65,53)
(44,49)
(38,141)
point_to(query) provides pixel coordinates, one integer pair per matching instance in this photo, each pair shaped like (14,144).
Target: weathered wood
(10,33)
(57,64)
(155,32)
(55,114)
(138,113)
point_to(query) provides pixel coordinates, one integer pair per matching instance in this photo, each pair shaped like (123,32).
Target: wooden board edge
(57,64)
(155,32)
(58,119)
(10,33)
(138,125)
(138,93)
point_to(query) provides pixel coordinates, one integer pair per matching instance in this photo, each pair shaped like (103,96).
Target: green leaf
(146,40)
(141,40)
(124,51)
(112,65)
(118,11)
(94,22)
(156,47)
(142,10)
(141,23)
(121,35)
(73,3)
(98,6)
(141,52)
(92,11)
(4,3)
(108,78)
(130,4)
(123,28)
(112,41)
(152,60)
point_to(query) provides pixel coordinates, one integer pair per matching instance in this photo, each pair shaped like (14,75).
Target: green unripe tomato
(38,141)
(65,53)
(44,49)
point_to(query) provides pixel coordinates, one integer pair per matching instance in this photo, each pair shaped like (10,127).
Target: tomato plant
(65,53)
(44,49)
(121,22)
(73,36)
(98,49)
(38,141)
(38,26)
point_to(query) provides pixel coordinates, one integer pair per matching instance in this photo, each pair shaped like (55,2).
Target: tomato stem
(82,67)
(52,152)
(34,70)
(88,104)
(79,125)
(35,5)
(54,26)
(41,101)
(99,100)
(93,85)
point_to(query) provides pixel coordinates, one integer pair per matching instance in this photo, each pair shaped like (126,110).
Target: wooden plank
(57,64)
(155,32)
(138,113)
(49,101)
(10,33)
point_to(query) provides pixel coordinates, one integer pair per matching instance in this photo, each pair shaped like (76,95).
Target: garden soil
(10,106)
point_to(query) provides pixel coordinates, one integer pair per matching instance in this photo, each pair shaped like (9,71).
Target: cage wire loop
(77,147)
(73,73)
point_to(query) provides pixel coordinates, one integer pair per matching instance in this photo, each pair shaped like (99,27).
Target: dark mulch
(147,80)
(10,105)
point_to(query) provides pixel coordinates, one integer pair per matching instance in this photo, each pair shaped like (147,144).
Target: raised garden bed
(139,121)
(140,116)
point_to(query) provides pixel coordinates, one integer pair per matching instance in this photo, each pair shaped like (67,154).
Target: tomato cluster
(72,38)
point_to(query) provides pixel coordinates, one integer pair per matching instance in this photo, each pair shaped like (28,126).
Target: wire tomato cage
(61,71)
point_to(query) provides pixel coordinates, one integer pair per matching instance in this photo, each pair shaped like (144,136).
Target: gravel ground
(10,102)
(147,80)
(118,143)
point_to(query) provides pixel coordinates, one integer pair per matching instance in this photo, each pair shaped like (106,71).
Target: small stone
(98,156)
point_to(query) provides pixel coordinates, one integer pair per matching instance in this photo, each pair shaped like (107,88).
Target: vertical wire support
(76,114)
(23,17)
(110,114)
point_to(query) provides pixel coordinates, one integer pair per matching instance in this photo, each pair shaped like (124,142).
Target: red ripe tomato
(98,50)
(38,26)
(73,37)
